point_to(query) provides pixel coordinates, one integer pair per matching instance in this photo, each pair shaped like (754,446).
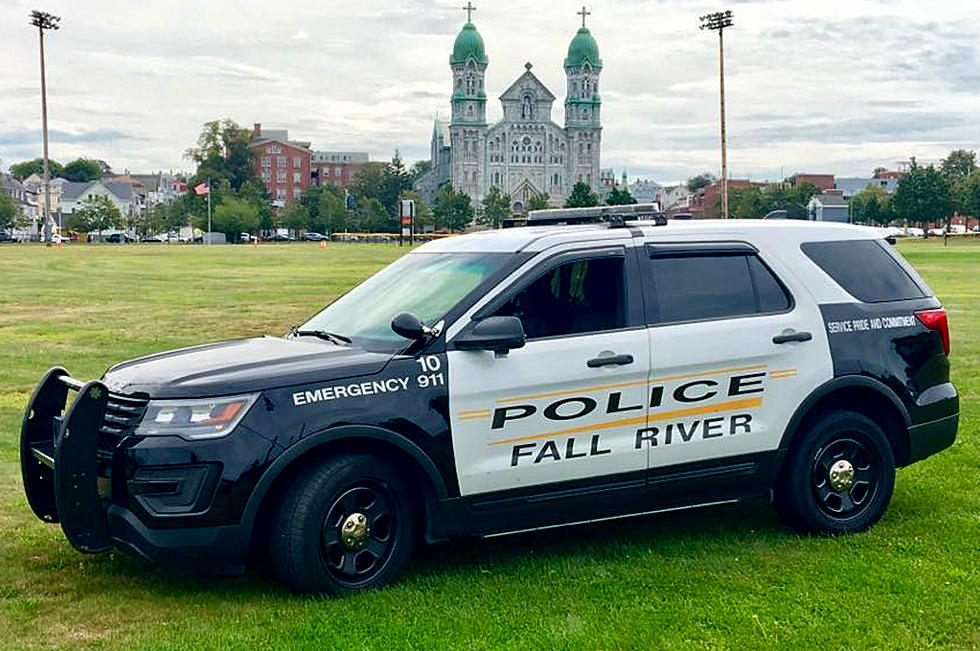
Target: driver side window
(573,298)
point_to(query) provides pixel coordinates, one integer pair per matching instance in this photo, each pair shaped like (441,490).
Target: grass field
(727,577)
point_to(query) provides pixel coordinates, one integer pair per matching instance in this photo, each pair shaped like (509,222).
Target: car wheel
(343,525)
(839,477)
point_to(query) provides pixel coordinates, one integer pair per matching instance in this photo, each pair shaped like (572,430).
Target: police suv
(512,380)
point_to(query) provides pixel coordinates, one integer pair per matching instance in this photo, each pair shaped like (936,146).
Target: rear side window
(695,287)
(865,269)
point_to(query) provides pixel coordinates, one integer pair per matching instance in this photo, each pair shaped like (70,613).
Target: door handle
(788,337)
(610,360)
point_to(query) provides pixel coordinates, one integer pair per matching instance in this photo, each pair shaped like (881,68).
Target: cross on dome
(469,9)
(583,14)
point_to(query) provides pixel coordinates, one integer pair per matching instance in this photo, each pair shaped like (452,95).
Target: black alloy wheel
(838,476)
(357,536)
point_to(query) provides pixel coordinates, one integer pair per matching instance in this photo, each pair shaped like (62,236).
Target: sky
(835,86)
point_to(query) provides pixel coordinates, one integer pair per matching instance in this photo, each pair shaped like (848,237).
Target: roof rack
(616,216)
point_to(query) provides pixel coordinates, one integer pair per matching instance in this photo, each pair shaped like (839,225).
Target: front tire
(343,525)
(839,477)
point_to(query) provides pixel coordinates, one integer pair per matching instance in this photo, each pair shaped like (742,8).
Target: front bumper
(75,471)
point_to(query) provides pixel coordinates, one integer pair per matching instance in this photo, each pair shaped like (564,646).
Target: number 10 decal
(434,377)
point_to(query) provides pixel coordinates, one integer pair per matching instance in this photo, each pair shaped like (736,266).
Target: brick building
(707,204)
(337,167)
(822,181)
(281,163)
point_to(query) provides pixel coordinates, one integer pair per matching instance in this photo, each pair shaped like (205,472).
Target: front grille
(122,414)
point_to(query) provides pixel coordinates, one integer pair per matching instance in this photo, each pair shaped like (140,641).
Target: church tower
(469,109)
(582,107)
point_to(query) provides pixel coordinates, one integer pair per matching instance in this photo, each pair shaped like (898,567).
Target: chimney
(256,130)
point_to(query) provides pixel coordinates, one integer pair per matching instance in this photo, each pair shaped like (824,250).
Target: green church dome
(583,47)
(468,44)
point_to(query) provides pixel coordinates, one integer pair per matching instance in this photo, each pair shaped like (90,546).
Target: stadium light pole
(718,21)
(43,21)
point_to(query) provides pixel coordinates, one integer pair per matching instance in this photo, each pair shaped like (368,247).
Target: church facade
(526,153)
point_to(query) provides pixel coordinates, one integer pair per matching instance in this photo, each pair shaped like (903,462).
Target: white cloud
(840,85)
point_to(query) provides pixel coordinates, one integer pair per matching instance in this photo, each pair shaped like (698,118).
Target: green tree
(878,171)
(296,217)
(923,196)
(871,206)
(750,202)
(966,195)
(700,181)
(620,197)
(21,171)
(581,197)
(369,181)
(222,153)
(11,216)
(97,214)
(395,179)
(452,211)
(419,168)
(958,165)
(233,216)
(538,202)
(82,169)
(371,216)
(496,207)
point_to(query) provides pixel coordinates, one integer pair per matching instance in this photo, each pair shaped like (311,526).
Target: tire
(343,525)
(813,494)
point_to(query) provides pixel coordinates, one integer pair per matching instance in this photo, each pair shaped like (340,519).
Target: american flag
(202,188)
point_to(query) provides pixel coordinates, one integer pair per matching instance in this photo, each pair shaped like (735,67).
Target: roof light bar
(617,216)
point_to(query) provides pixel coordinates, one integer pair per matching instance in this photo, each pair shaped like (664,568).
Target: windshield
(426,284)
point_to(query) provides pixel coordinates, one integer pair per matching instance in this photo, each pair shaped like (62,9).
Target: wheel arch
(401,452)
(859,393)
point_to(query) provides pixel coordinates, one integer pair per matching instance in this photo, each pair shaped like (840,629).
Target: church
(526,153)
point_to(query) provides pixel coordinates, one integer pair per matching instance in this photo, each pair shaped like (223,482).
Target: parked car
(915,232)
(118,238)
(278,237)
(937,232)
(957,228)
(7,237)
(513,380)
(154,239)
(311,236)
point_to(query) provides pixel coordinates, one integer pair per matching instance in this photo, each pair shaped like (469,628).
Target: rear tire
(343,525)
(839,476)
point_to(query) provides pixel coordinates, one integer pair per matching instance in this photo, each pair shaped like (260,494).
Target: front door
(566,405)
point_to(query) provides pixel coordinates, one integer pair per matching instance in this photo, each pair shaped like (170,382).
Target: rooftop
(539,238)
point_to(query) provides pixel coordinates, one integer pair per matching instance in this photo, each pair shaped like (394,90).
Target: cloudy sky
(831,86)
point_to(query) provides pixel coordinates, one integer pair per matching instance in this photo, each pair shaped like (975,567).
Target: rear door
(566,405)
(736,345)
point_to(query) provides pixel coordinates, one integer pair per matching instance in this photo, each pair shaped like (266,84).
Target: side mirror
(496,333)
(408,325)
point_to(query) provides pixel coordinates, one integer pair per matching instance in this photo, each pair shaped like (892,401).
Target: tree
(371,216)
(922,196)
(966,195)
(700,181)
(452,211)
(82,169)
(222,153)
(21,171)
(878,171)
(538,202)
(958,165)
(395,179)
(11,216)
(581,197)
(620,197)
(233,216)
(750,202)
(97,213)
(296,217)
(496,207)
(871,206)
(419,168)
(369,180)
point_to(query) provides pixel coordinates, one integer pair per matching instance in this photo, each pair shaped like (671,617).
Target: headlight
(203,418)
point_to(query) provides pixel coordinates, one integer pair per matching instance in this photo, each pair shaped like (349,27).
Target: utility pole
(718,21)
(44,21)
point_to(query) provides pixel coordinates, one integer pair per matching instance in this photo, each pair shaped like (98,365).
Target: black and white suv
(511,380)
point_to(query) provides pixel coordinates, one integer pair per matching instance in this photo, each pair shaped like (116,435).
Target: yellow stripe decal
(787,372)
(472,415)
(748,403)
(635,383)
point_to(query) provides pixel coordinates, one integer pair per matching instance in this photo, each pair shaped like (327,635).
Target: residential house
(646,191)
(851,186)
(828,208)
(120,194)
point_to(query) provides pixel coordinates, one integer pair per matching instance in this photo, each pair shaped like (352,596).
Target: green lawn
(726,577)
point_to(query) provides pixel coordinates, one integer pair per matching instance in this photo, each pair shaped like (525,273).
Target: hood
(241,366)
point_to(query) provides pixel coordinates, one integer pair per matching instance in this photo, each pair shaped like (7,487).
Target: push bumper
(66,464)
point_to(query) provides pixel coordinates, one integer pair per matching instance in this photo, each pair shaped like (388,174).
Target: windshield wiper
(332,337)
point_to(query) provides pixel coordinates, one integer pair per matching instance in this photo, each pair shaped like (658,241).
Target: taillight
(936,320)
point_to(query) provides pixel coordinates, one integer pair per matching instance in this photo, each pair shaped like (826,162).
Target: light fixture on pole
(718,21)
(43,21)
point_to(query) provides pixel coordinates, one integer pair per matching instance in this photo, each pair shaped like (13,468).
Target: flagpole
(209,213)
